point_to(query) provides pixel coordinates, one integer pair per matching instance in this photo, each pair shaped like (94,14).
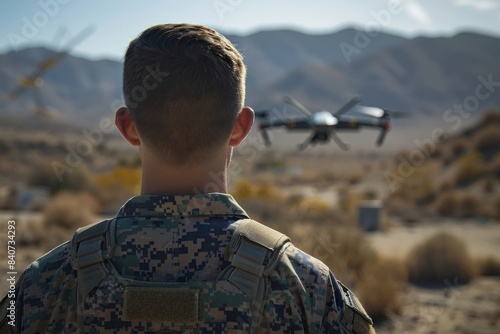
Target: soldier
(176,258)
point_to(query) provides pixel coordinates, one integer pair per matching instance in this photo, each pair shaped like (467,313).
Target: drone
(34,81)
(324,124)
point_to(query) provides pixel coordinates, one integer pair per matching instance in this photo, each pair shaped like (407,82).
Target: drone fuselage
(324,124)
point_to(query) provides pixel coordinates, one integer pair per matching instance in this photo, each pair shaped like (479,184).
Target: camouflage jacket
(181,240)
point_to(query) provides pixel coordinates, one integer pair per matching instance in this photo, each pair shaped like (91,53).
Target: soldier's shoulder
(339,307)
(307,265)
(50,263)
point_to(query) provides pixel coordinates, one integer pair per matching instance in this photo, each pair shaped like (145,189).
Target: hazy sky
(115,22)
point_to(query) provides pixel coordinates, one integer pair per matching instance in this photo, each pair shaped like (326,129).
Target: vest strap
(90,247)
(255,250)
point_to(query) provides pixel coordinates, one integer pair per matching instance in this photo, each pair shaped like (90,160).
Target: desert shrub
(271,160)
(494,167)
(349,201)
(402,209)
(243,189)
(487,141)
(117,186)
(446,185)
(127,177)
(417,188)
(268,190)
(273,213)
(353,176)
(470,206)
(5,146)
(437,153)
(488,266)
(489,186)
(460,146)
(134,162)
(78,179)
(67,211)
(492,116)
(446,204)
(379,290)
(439,258)
(313,206)
(495,213)
(343,249)
(29,233)
(469,168)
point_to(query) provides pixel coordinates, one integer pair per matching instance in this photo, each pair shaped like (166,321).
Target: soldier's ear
(126,126)
(242,126)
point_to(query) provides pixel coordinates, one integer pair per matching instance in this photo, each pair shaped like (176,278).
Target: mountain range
(422,75)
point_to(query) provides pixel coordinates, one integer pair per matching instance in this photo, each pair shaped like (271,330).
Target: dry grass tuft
(460,146)
(469,168)
(79,179)
(487,141)
(379,290)
(496,208)
(446,204)
(451,204)
(439,258)
(470,206)
(67,211)
(488,266)
(343,249)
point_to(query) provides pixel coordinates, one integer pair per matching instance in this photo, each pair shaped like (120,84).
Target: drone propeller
(348,106)
(370,111)
(379,112)
(303,110)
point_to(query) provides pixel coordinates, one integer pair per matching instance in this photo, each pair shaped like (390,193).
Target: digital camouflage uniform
(176,242)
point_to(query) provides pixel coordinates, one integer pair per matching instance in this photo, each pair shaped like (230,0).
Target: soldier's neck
(161,179)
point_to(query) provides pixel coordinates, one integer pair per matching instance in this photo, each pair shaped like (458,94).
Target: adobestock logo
(224,6)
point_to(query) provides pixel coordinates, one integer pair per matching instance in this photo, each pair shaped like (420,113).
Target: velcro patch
(161,304)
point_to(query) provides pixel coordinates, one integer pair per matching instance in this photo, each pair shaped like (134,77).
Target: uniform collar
(213,204)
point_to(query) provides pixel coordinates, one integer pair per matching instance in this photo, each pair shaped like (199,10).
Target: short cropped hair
(184,86)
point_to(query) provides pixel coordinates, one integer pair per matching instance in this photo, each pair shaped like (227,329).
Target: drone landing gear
(304,145)
(323,138)
(339,142)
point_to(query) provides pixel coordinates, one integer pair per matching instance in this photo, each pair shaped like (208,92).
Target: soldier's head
(184,88)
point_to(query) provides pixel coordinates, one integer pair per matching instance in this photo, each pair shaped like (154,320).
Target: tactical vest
(232,303)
